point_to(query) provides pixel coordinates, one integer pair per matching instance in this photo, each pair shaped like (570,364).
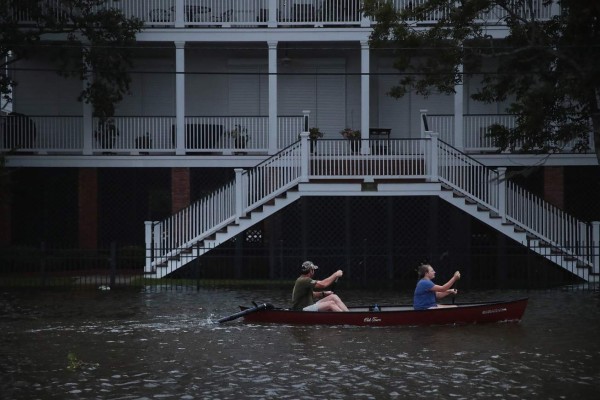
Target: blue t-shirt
(424,296)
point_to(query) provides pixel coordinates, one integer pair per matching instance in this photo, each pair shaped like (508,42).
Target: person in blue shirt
(427,293)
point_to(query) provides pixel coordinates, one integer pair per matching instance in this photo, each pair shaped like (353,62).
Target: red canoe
(463,313)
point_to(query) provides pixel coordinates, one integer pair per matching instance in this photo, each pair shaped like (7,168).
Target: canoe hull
(466,313)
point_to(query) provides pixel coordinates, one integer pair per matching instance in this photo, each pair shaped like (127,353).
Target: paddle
(455,294)
(257,307)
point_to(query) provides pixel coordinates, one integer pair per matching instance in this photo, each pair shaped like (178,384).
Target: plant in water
(74,362)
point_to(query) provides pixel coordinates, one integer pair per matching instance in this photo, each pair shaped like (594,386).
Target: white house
(210,71)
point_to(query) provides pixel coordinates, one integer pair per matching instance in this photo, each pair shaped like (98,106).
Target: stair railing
(492,190)
(250,189)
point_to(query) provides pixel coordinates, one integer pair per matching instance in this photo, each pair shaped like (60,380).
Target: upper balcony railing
(277,13)
(146,135)
(476,129)
(216,135)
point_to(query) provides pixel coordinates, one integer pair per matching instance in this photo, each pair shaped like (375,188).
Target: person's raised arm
(447,285)
(328,281)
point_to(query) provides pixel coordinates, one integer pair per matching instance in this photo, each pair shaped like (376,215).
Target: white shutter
(296,92)
(330,114)
(323,95)
(403,114)
(244,91)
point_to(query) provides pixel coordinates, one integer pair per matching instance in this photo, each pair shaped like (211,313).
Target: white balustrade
(144,134)
(317,13)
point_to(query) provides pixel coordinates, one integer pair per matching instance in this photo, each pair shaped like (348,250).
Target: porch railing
(476,127)
(144,134)
(263,13)
(41,134)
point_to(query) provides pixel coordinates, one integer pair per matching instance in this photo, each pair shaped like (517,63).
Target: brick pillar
(180,188)
(554,186)
(5,211)
(88,208)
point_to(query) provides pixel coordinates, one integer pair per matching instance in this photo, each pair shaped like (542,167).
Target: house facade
(224,85)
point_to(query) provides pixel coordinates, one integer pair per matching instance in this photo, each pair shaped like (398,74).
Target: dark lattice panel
(582,192)
(204,181)
(253,235)
(371,238)
(126,198)
(44,206)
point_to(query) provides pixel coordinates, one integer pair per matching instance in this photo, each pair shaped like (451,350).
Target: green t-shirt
(302,296)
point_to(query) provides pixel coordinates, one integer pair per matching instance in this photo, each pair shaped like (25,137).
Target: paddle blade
(258,307)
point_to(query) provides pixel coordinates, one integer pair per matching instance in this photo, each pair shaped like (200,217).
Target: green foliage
(74,363)
(314,133)
(546,69)
(99,51)
(349,133)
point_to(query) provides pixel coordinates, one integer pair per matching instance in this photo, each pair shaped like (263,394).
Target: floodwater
(166,344)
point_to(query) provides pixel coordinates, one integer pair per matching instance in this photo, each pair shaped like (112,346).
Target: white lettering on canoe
(372,319)
(493,311)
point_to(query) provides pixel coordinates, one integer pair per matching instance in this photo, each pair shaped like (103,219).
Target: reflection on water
(167,344)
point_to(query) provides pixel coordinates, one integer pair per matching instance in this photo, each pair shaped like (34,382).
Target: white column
(180,97)
(179,14)
(458,114)
(365,69)
(272,14)
(502,193)
(365,22)
(273,128)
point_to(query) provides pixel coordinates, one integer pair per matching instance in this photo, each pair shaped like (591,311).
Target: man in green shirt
(306,290)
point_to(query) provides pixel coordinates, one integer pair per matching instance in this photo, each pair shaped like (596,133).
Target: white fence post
(304,152)
(149,246)
(272,5)
(502,193)
(432,163)
(306,120)
(239,194)
(596,246)
(423,122)
(179,14)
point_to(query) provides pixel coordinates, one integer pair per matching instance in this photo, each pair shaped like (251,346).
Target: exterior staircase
(408,167)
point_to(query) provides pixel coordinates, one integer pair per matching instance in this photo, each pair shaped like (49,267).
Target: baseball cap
(307,266)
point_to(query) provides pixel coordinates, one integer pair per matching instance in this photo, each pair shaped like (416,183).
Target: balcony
(274,13)
(202,135)
(144,135)
(475,129)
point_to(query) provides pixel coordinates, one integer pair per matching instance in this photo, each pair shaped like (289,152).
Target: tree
(100,41)
(546,67)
